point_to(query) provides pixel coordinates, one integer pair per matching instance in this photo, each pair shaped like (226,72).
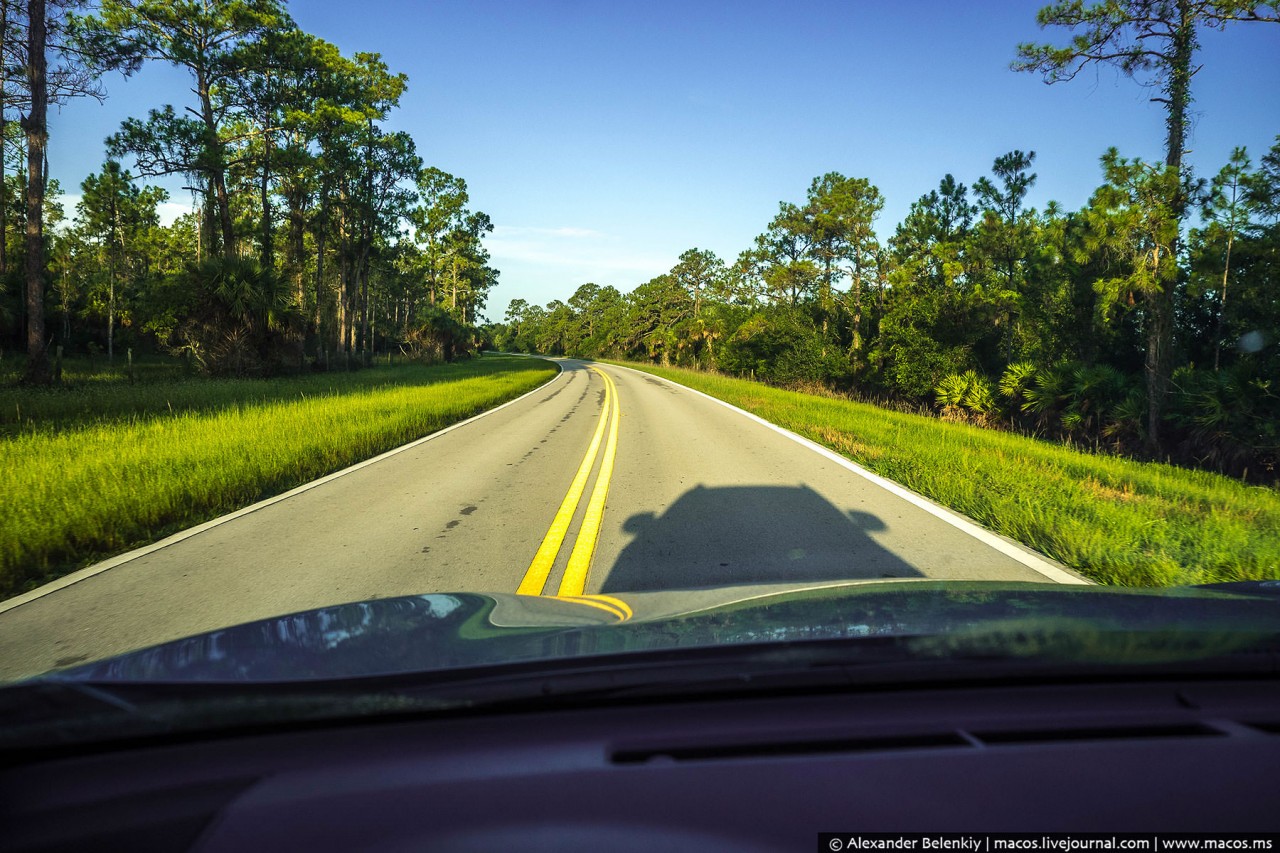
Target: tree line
(317,234)
(1146,322)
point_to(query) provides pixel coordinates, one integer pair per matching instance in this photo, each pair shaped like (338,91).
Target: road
(674,491)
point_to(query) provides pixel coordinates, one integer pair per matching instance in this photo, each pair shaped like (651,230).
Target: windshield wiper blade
(55,709)
(59,711)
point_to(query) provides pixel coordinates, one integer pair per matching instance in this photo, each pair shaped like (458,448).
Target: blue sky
(605,138)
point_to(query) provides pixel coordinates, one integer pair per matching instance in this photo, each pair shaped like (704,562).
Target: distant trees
(114,219)
(1226,210)
(319,235)
(447,247)
(1121,325)
(1000,313)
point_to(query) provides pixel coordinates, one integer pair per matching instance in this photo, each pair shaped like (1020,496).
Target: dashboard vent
(972,739)
(1107,733)
(720,752)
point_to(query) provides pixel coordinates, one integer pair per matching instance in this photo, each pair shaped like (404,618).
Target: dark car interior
(762,772)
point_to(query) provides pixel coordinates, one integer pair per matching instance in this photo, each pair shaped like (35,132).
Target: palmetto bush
(1227,420)
(1093,394)
(230,317)
(1015,380)
(1126,426)
(1089,403)
(969,397)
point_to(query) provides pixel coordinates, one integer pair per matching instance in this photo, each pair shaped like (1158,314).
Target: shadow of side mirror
(866,521)
(639,523)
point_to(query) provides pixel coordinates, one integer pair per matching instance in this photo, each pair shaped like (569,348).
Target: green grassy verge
(92,392)
(76,487)
(1114,520)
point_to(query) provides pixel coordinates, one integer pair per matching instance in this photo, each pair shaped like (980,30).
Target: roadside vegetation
(318,238)
(1115,520)
(98,469)
(1145,323)
(156,374)
(93,392)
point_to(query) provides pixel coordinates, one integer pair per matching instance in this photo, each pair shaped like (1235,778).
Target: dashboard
(760,773)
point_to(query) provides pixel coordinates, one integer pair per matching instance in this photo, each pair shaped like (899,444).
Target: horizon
(604,141)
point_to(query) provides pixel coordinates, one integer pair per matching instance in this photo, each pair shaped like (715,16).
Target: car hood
(446,631)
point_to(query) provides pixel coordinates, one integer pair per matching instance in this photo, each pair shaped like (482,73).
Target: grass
(94,391)
(1114,520)
(103,467)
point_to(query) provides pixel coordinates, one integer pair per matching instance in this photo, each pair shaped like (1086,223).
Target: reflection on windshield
(949,620)
(311,638)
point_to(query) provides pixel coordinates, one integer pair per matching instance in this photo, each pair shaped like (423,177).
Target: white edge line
(956,520)
(99,568)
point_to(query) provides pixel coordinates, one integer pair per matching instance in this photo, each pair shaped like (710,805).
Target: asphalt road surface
(603,481)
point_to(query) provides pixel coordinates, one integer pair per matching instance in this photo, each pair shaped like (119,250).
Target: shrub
(968,397)
(439,337)
(784,347)
(230,317)
(1227,420)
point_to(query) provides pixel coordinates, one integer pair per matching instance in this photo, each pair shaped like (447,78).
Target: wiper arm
(59,710)
(97,693)
(54,710)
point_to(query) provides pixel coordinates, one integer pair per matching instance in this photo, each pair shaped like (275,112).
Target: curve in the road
(535,578)
(574,581)
(584,546)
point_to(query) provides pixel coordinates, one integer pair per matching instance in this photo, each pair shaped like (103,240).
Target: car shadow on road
(750,534)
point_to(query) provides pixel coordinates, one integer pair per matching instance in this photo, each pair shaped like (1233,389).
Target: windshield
(451,335)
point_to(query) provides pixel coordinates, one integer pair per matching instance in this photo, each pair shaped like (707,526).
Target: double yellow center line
(574,581)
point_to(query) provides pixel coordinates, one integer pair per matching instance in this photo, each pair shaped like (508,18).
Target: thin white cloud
(584,250)
(168,211)
(501,231)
